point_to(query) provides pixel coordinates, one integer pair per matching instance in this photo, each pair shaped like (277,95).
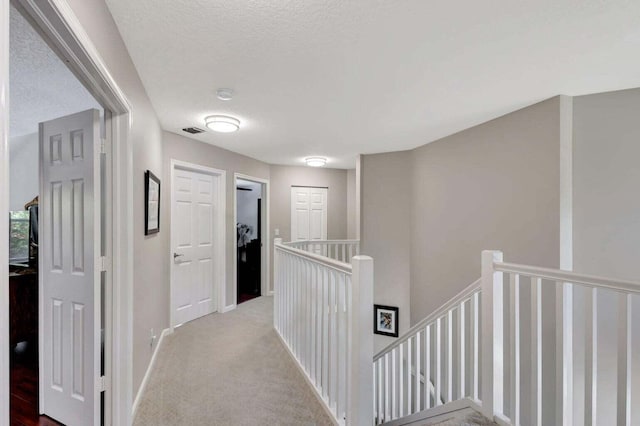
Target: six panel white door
(192,222)
(308,213)
(69,240)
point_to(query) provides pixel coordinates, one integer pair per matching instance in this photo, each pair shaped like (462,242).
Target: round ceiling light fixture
(316,161)
(225,94)
(222,123)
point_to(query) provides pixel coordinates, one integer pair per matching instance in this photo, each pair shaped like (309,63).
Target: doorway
(56,23)
(55,304)
(197,241)
(251,237)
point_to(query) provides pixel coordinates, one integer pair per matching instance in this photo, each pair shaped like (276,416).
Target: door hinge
(102,387)
(103,147)
(104,264)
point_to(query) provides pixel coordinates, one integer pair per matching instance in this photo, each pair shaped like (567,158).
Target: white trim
(228,308)
(265,276)
(147,374)
(56,22)
(4,212)
(220,229)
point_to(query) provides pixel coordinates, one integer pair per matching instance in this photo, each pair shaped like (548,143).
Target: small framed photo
(385,320)
(151,203)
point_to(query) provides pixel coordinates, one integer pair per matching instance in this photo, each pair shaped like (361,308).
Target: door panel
(193,210)
(70,281)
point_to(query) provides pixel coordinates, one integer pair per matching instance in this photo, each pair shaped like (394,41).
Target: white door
(192,223)
(69,241)
(308,213)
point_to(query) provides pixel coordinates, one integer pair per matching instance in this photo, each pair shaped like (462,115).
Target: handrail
(569,277)
(320,241)
(464,294)
(326,261)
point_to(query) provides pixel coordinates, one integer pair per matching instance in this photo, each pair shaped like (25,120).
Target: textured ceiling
(41,86)
(342,77)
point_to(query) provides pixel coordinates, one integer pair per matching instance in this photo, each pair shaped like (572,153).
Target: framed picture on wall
(385,320)
(151,203)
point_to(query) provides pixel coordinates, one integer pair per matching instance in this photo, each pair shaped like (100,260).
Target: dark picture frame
(385,320)
(151,203)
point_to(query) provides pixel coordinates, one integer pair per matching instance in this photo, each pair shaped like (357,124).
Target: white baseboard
(147,374)
(228,308)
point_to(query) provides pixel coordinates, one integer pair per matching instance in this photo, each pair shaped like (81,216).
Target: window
(18,236)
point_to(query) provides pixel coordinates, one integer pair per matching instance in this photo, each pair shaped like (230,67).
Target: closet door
(308,213)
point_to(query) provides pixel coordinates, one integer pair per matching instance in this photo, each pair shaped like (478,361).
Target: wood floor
(24,392)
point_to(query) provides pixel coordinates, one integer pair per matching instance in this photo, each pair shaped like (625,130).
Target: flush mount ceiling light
(222,123)
(315,161)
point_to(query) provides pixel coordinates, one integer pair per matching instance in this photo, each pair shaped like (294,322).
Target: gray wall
(352,232)
(386,232)
(606,215)
(493,186)
(24,177)
(150,266)
(178,147)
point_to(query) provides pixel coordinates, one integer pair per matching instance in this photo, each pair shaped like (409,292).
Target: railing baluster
(514,297)
(333,363)
(564,353)
(320,320)
(475,304)
(401,380)
(624,359)
(438,385)
(394,393)
(409,371)
(417,375)
(380,393)
(326,315)
(462,359)
(427,367)
(312,299)
(449,356)
(536,351)
(591,357)
(387,393)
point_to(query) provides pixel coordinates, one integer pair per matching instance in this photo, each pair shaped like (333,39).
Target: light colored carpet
(228,369)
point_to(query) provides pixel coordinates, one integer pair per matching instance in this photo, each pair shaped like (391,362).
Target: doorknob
(176,255)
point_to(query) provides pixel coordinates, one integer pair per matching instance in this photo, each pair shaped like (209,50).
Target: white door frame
(219,227)
(58,25)
(265,281)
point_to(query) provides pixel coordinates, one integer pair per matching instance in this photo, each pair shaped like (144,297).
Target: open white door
(69,248)
(193,282)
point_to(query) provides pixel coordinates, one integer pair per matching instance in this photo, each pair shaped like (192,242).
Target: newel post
(276,284)
(360,346)
(492,335)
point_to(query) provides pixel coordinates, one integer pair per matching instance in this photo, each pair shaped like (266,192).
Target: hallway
(228,369)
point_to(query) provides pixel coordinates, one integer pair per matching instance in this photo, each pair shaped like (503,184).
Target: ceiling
(340,77)
(41,86)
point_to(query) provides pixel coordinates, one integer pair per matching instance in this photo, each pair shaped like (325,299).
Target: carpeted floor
(228,369)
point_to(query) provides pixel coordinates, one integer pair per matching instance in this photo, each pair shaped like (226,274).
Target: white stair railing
(322,312)
(342,250)
(504,397)
(434,363)
(469,352)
